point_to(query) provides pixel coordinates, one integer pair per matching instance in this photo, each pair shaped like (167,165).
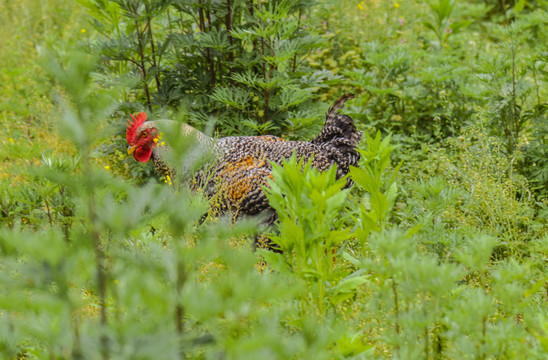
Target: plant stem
(515,116)
(77,347)
(298,27)
(142,58)
(152,47)
(438,344)
(426,345)
(263,64)
(251,8)
(537,86)
(228,22)
(101,275)
(179,309)
(203,29)
(321,296)
(396,308)
(48,212)
(483,333)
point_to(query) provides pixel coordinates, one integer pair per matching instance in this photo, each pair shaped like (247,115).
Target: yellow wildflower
(156,140)
(360,5)
(11,140)
(163,143)
(107,167)
(396,5)
(83,31)
(396,118)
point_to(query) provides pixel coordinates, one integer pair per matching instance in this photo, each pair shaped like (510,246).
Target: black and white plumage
(240,165)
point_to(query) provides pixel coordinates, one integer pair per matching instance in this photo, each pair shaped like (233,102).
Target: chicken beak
(131,149)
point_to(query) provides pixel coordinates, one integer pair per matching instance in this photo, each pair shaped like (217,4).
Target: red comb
(133,126)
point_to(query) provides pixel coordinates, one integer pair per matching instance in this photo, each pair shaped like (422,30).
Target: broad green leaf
(518,7)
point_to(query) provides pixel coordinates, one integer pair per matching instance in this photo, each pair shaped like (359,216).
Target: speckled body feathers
(241,165)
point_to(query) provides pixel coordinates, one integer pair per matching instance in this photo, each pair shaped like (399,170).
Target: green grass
(27,110)
(444,257)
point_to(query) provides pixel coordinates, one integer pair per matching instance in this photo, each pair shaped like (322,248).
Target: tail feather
(337,125)
(339,137)
(339,104)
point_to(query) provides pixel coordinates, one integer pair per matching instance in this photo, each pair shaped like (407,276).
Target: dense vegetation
(440,250)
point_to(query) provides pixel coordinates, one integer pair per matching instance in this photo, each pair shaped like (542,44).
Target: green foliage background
(440,249)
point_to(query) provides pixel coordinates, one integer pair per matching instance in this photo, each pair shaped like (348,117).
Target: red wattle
(142,154)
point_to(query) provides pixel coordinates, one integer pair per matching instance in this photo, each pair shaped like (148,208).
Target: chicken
(240,166)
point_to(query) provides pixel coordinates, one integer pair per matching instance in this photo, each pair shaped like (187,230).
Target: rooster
(240,166)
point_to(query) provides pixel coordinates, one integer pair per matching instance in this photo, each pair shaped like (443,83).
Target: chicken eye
(144,134)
